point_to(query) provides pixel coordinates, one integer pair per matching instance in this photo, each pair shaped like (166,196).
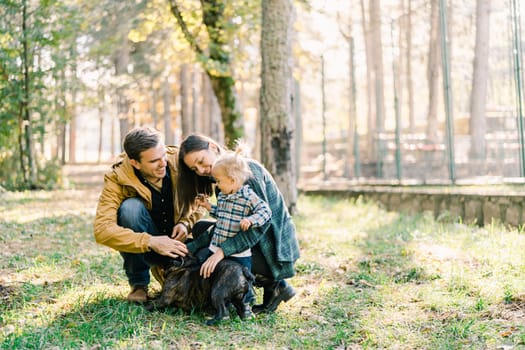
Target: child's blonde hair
(234,164)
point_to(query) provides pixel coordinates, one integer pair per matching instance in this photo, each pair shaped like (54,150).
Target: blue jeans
(133,214)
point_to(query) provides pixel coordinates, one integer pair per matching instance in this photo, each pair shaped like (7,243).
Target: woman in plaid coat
(274,245)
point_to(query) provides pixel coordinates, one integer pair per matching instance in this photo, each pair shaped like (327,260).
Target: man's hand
(211,263)
(180,232)
(167,246)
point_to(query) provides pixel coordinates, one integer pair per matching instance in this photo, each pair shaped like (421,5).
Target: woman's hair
(190,184)
(140,139)
(234,165)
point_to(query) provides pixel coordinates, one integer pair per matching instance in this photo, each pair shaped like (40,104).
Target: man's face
(152,163)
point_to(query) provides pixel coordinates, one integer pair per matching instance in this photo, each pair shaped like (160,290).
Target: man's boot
(274,293)
(138,294)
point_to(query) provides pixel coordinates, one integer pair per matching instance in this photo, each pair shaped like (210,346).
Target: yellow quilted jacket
(121,183)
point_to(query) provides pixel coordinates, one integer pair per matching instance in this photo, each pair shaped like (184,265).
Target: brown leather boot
(138,294)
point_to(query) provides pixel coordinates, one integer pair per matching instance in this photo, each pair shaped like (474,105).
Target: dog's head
(180,281)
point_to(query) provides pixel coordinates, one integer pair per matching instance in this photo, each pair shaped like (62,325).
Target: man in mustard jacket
(137,210)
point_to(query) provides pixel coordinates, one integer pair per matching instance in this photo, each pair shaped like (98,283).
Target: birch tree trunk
(276,97)
(478,123)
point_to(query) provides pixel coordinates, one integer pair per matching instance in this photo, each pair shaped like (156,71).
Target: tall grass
(367,279)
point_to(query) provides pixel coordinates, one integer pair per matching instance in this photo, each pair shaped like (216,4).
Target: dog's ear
(190,261)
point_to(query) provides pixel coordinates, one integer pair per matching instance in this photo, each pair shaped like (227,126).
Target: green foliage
(35,45)
(49,174)
(216,42)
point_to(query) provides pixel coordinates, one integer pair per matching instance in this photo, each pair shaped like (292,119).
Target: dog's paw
(247,314)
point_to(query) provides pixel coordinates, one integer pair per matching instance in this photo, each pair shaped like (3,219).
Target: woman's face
(201,161)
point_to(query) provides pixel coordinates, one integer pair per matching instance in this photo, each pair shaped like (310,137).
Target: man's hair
(140,139)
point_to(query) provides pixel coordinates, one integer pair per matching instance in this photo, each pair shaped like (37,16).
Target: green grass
(367,279)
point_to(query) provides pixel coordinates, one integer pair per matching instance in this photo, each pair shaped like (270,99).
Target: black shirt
(162,205)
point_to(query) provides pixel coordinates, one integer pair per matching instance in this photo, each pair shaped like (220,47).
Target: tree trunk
(101,104)
(408,62)
(73,129)
(123,102)
(352,107)
(434,54)
(377,58)
(197,120)
(217,64)
(72,113)
(206,104)
(28,149)
(224,89)
(154,100)
(352,148)
(276,97)
(166,99)
(185,111)
(478,123)
(63,117)
(378,76)
(371,121)
(211,114)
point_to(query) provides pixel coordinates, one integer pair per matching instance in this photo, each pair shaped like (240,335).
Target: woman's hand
(180,232)
(211,263)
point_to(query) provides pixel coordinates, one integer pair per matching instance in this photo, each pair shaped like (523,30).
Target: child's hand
(245,224)
(202,201)
(210,264)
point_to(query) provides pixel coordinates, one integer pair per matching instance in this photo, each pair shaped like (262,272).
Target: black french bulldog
(184,288)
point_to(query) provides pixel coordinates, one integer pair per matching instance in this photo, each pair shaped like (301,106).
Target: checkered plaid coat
(276,238)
